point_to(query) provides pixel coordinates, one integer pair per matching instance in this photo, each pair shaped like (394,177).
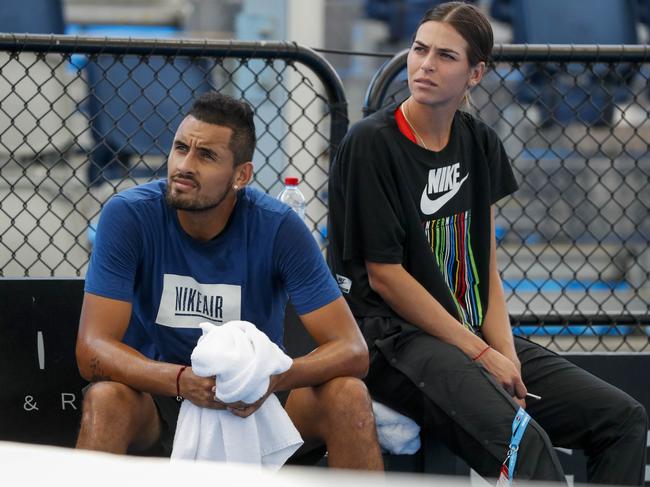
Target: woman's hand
(506,373)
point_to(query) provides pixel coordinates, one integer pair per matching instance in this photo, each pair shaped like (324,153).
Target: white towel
(242,358)
(397,433)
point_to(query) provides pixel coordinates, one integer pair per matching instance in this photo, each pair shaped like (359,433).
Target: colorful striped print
(451,245)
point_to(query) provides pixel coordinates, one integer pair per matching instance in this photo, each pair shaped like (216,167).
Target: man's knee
(346,402)
(116,417)
(107,400)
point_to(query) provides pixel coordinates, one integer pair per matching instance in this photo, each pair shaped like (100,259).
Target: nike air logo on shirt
(441,180)
(185,302)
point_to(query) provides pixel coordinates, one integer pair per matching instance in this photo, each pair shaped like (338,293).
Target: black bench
(40,398)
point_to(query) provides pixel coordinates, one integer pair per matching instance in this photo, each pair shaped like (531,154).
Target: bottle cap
(291,181)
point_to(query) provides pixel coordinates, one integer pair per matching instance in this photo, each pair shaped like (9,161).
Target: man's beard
(197,205)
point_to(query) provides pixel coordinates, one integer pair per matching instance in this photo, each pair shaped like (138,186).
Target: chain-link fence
(83,118)
(573,240)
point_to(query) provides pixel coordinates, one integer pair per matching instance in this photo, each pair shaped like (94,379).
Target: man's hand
(244,410)
(506,373)
(199,390)
(202,391)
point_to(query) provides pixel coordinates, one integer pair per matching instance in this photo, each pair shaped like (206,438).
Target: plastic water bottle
(293,197)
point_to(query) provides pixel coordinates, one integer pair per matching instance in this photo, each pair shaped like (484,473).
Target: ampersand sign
(30,404)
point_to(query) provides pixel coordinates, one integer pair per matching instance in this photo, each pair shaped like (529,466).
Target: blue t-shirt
(264,256)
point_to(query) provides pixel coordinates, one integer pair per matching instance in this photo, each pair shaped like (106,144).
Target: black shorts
(310,453)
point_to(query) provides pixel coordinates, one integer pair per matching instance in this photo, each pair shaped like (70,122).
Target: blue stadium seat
(644,11)
(574,22)
(135,106)
(135,102)
(32,16)
(501,10)
(402,16)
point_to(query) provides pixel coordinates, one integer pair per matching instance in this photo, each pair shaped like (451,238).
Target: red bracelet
(179,398)
(479,355)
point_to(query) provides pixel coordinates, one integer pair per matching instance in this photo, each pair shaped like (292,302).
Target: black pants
(459,401)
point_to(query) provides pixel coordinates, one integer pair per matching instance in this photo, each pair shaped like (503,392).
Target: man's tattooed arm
(97,371)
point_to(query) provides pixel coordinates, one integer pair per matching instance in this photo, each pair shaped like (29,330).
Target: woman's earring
(235,187)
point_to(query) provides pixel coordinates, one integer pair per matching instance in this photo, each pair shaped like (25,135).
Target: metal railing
(573,241)
(82,118)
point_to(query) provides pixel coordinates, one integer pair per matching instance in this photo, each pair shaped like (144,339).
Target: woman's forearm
(409,299)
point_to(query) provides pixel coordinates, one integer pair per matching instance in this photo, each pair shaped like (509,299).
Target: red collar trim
(404,126)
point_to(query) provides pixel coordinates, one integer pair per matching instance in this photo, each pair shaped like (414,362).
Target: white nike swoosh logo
(429,206)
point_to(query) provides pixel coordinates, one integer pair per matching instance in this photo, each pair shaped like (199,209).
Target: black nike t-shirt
(392,201)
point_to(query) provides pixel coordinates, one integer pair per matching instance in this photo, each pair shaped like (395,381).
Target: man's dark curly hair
(218,109)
